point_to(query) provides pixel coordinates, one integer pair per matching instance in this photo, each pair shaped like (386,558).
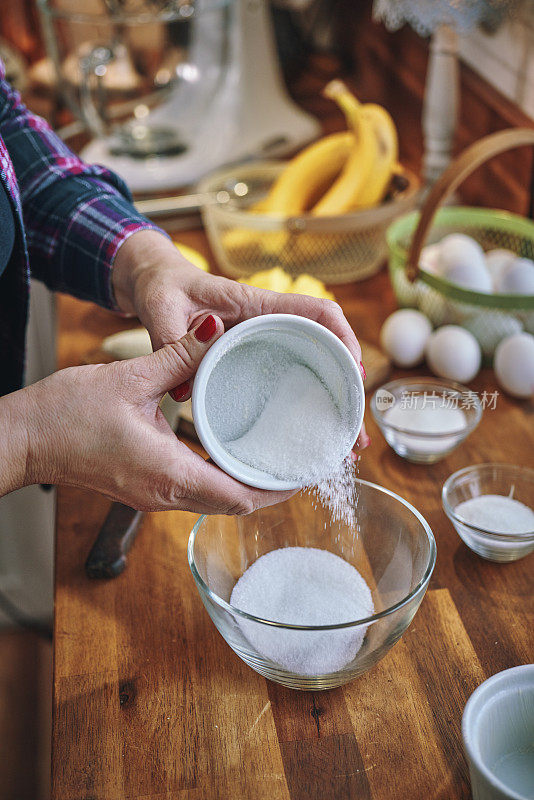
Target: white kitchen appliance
(225,101)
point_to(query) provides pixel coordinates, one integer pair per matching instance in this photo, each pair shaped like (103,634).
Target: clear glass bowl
(504,479)
(141,76)
(418,446)
(392,547)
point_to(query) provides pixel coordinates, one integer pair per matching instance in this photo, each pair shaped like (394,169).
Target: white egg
(490,327)
(462,261)
(517,278)
(454,353)
(429,259)
(404,335)
(514,365)
(472,276)
(497,261)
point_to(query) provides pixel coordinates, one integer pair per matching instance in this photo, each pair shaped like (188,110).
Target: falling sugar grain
(339,492)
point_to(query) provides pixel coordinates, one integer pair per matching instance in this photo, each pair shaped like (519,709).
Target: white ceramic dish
(332,362)
(498,734)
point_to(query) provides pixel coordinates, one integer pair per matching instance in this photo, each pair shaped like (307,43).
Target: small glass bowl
(504,479)
(392,547)
(417,446)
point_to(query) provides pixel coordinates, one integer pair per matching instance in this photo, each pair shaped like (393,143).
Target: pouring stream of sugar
(288,403)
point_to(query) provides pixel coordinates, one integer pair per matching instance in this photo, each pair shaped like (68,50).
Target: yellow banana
(340,93)
(298,186)
(308,175)
(376,187)
(343,194)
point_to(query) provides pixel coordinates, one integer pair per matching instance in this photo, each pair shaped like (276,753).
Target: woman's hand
(154,281)
(101,427)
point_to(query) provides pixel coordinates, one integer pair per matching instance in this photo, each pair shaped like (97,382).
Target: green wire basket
(490,317)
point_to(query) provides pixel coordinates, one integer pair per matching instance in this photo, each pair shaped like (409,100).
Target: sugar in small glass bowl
(425,419)
(491,507)
(308,602)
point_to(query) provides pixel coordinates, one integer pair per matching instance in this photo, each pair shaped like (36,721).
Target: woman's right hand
(100,427)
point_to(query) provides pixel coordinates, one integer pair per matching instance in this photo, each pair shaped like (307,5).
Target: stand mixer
(224,103)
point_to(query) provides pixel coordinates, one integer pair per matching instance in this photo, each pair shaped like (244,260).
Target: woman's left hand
(152,280)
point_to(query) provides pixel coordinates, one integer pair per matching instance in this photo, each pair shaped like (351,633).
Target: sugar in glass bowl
(425,419)
(392,547)
(506,480)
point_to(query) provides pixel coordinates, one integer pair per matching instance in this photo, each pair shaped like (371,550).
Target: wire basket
(335,249)
(490,317)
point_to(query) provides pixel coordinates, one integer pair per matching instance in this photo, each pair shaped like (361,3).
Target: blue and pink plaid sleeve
(76,215)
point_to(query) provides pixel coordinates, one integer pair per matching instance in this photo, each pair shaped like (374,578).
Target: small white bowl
(314,346)
(498,734)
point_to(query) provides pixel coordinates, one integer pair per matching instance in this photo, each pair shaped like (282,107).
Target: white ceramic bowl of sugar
(240,383)
(490,506)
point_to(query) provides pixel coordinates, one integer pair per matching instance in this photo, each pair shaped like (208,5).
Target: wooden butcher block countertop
(151,703)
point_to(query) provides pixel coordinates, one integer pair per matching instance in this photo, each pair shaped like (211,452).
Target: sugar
(421,416)
(241,383)
(497,513)
(299,432)
(304,586)
(339,492)
(280,404)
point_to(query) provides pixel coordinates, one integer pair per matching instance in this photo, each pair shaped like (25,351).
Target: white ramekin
(498,720)
(280,323)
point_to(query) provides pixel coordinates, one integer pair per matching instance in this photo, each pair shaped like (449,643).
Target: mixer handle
(93,66)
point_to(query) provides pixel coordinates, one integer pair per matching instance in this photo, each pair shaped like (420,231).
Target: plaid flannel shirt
(70,218)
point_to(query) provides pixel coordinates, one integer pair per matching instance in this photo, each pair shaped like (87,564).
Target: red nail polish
(206,329)
(179,392)
(362,370)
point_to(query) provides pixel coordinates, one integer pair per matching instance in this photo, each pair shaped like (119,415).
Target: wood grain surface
(150,702)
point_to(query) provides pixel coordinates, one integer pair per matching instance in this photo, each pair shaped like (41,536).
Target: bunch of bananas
(341,172)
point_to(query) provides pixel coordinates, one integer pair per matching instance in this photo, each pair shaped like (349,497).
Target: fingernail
(206,329)
(363,442)
(179,392)
(362,370)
